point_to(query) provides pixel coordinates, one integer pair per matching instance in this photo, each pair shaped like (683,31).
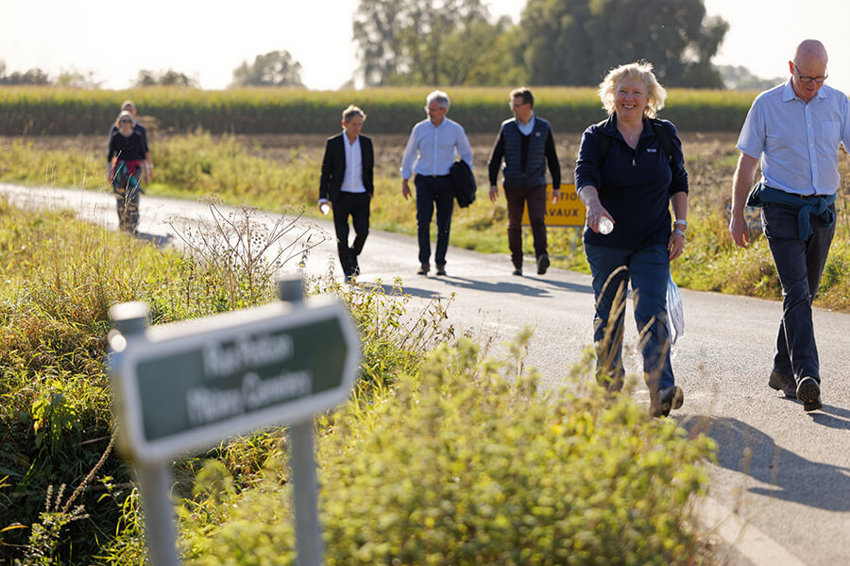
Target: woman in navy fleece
(630,170)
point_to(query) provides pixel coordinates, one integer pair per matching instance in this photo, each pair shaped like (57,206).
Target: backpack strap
(663,136)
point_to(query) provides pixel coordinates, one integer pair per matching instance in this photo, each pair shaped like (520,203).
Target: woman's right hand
(589,196)
(595,213)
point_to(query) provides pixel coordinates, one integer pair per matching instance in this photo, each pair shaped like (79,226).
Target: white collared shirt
(431,149)
(797,142)
(352,180)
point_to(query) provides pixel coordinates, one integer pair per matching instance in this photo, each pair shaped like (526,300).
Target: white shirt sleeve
(410,154)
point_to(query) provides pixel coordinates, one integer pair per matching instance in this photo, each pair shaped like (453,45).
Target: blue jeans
(431,191)
(799,264)
(648,270)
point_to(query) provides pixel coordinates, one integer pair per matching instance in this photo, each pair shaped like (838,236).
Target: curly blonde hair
(641,71)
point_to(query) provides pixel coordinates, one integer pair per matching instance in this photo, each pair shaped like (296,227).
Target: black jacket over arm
(333,166)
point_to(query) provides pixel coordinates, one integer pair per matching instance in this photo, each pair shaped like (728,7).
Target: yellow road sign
(568,212)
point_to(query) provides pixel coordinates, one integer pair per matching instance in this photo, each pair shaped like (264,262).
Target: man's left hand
(556,196)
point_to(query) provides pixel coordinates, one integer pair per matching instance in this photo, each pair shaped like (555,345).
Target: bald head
(808,69)
(810,51)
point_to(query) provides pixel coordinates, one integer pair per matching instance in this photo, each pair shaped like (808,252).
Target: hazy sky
(207,40)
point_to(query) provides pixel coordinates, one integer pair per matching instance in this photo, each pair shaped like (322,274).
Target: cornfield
(57,111)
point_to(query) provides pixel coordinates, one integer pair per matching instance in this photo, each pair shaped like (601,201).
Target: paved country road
(781,485)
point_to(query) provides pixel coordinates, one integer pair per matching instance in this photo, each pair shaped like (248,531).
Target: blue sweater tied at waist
(807,207)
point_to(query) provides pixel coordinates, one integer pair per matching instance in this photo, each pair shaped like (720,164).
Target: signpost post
(183,387)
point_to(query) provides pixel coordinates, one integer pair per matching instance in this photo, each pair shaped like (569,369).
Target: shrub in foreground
(463,465)
(65,498)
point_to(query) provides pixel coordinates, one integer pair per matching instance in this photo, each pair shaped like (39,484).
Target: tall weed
(59,277)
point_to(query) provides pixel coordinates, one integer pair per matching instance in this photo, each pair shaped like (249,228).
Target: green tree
(164,78)
(575,42)
(30,77)
(73,78)
(275,68)
(432,42)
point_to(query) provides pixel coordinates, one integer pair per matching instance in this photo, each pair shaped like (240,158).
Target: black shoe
(355,266)
(441,269)
(518,270)
(784,383)
(808,391)
(424,269)
(542,264)
(667,399)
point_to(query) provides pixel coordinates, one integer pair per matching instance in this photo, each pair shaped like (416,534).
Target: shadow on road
(469,284)
(515,287)
(566,286)
(406,290)
(498,287)
(835,417)
(745,449)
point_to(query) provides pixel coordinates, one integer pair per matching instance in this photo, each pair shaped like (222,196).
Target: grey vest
(535,167)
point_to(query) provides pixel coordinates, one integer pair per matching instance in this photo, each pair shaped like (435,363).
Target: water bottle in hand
(605,225)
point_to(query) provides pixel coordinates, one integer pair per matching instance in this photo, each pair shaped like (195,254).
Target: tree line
(459,43)
(556,42)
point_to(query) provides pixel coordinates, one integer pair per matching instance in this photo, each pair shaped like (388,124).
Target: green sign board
(187,386)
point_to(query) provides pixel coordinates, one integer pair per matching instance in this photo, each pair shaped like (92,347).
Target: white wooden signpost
(182,388)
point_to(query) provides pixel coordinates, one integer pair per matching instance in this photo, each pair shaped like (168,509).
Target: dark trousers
(517,199)
(799,264)
(431,191)
(127,189)
(648,269)
(355,205)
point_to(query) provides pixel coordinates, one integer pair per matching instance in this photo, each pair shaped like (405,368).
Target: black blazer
(333,167)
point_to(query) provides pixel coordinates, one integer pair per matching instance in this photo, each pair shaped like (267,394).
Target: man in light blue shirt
(796,129)
(429,153)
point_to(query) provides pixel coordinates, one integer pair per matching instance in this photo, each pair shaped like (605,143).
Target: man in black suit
(347,184)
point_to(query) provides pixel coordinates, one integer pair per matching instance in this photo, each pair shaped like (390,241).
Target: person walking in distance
(794,130)
(347,184)
(147,163)
(527,146)
(430,152)
(630,171)
(124,168)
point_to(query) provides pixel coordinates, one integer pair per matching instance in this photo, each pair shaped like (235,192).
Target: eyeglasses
(520,105)
(809,80)
(125,121)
